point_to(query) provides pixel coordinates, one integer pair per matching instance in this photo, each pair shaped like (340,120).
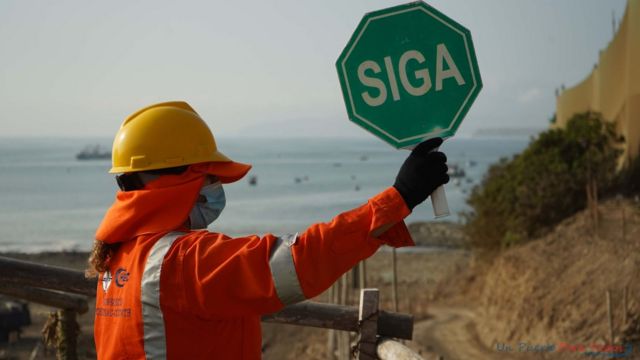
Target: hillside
(553,290)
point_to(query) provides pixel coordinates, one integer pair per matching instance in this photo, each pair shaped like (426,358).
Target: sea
(50,201)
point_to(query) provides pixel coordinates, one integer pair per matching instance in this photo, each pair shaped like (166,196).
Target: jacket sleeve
(326,251)
(259,275)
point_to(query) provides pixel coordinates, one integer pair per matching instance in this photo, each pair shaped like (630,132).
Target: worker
(169,288)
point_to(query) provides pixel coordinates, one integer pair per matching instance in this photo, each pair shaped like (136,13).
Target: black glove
(421,173)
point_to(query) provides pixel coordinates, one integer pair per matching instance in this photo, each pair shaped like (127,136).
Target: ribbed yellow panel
(613,87)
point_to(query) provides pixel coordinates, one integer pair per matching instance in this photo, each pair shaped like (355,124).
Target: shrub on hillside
(629,179)
(524,196)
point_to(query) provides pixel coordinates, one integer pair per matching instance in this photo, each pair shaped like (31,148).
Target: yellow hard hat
(161,136)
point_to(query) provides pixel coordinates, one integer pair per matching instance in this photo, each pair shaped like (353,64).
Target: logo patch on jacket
(106,280)
(122,276)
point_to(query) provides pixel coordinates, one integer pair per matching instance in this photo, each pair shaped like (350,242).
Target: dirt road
(451,333)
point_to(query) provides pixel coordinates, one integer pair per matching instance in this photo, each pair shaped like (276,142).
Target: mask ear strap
(129,182)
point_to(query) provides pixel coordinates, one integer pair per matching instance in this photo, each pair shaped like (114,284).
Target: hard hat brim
(226,171)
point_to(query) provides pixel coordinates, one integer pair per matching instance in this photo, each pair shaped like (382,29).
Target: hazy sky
(78,68)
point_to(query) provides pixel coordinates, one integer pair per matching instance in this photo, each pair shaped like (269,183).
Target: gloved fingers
(439,179)
(426,147)
(435,171)
(445,179)
(432,161)
(441,168)
(436,156)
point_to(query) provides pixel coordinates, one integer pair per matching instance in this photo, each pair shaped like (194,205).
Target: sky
(266,68)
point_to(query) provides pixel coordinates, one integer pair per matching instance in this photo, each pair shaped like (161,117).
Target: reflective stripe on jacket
(200,295)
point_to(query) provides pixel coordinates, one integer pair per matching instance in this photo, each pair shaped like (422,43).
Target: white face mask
(204,213)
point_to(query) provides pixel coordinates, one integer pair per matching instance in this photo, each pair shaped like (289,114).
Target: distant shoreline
(444,235)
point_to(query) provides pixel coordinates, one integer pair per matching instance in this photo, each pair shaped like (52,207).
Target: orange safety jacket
(200,295)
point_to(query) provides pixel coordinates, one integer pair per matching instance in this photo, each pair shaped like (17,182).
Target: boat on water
(93,153)
(456,171)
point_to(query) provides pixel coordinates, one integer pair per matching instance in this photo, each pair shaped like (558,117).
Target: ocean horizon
(50,201)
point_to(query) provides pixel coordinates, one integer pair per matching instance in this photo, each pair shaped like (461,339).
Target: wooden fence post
(596,214)
(394,279)
(610,317)
(61,331)
(363,274)
(69,330)
(331,341)
(624,305)
(368,317)
(344,336)
(355,277)
(624,225)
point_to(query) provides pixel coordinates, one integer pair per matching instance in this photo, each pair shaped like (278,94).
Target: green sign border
(471,57)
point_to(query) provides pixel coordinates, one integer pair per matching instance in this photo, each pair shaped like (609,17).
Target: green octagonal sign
(409,73)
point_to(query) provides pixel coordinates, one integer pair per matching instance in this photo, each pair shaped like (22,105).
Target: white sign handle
(439,202)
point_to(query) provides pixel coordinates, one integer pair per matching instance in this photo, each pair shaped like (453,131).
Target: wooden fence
(69,291)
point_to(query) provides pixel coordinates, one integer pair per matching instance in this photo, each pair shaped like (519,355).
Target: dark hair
(100,256)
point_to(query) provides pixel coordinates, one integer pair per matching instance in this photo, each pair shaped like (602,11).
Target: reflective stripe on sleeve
(283,270)
(155,343)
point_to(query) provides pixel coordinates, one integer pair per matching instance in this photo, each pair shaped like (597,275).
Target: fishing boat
(456,171)
(93,153)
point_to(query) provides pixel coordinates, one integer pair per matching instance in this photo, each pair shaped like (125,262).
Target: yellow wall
(613,87)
